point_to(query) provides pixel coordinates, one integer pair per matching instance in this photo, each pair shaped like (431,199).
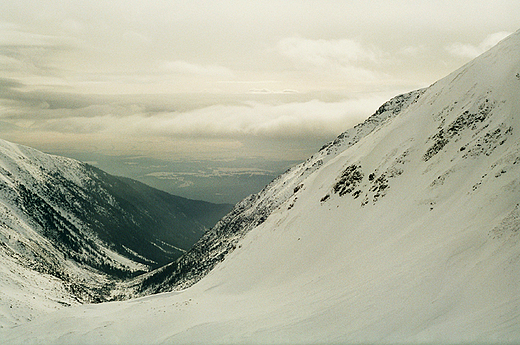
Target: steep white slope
(26,294)
(35,275)
(255,209)
(409,235)
(69,232)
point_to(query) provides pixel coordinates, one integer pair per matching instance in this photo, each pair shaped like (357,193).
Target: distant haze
(183,94)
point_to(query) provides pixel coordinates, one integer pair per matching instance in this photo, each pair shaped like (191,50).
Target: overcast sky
(182,80)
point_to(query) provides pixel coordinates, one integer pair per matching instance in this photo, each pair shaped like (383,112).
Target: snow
(26,294)
(35,276)
(428,251)
(28,162)
(124,261)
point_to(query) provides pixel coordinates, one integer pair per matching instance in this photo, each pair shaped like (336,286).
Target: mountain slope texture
(406,229)
(70,232)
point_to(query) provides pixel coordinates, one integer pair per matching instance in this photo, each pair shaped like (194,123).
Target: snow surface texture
(407,233)
(254,210)
(70,232)
(35,276)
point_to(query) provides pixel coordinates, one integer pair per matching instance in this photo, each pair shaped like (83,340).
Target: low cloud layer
(222,80)
(183,67)
(216,128)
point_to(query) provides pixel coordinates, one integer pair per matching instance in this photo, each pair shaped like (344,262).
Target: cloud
(470,51)
(18,103)
(412,51)
(184,67)
(15,35)
(313,118)
(8,84)
(345,56)
(7,127)
(28,53)
(271,115)
(117,127)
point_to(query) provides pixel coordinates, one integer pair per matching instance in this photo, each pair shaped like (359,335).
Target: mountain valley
(403,230)
(77,232)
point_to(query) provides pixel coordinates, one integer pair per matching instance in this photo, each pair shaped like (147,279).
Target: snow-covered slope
(254,210)
(68,231)
(404,230)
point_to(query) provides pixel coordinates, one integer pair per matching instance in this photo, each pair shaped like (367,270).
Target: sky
(213,99)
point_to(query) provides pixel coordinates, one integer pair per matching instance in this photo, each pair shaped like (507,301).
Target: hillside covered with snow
(70,233)
(406,229)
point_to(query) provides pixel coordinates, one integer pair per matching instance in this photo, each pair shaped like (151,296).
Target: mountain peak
(497,68)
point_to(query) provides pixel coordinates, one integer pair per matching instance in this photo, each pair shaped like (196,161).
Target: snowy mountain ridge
(408,233)
(252,211)
(73,231)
